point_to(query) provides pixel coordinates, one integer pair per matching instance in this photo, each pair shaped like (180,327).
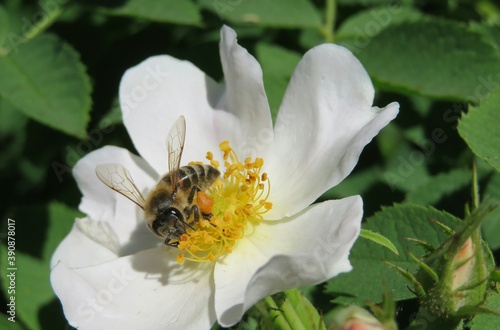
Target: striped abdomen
(200,175)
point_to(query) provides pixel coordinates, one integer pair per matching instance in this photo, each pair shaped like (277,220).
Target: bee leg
(196,214)
(193,191)
(173,244)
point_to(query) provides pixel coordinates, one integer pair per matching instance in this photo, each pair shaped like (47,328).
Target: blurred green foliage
(60,66)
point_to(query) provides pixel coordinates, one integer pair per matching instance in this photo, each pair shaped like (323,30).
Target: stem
(475,187)
(331,13)
(427,320)
(276,315)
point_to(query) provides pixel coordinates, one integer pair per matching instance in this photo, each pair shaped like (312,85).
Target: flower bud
(355,318)
(454,277)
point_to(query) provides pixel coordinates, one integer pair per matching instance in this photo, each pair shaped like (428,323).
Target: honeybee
(169,206)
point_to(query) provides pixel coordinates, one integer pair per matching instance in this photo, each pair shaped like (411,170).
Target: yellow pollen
(239,202)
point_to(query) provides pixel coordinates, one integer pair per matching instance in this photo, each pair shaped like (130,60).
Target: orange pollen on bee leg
(204,202)
(236,201)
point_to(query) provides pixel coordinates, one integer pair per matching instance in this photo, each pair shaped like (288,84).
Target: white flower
(110,272)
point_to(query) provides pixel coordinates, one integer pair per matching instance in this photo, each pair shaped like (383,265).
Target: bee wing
(119,179)
(175,145)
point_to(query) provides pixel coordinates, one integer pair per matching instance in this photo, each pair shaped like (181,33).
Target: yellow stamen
(239,201)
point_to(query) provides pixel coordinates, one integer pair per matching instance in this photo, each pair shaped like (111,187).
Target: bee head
(169,224)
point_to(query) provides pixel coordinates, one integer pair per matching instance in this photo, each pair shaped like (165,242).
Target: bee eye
(173,213)
(170,216)
(159,222)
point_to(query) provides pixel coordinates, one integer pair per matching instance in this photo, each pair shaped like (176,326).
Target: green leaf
(5,324)
(310,38)
(439,186)
(48,83)
(4,27)
(490,32)
(12,131)
(390,140)
(278,65)
(61,219)
(406,167)
(33,292)
(479,128)
(32,286)
(276,13)
(396,223)
(366,2)
(432,57)
(163,11)
(28,21)
(488,321)
(113,116)
(11,121)
(356,183)
(379,239)
(491,225)
(368,23)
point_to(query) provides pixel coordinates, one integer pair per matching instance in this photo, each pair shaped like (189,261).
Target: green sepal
(379,239)
(290,310)
(419,290)
(445,228)
(424,267)
(429,248)
(495,275)
(461,266)
(386,311)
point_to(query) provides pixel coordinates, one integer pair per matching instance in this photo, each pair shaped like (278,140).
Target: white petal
(79,250)
(154,94)
(114,221)
(323,124)
(248,117)
(308,248)
(147,290)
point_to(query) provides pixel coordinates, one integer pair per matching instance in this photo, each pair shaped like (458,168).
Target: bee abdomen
(200,175)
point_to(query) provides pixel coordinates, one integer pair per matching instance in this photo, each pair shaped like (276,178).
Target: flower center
(239,201)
